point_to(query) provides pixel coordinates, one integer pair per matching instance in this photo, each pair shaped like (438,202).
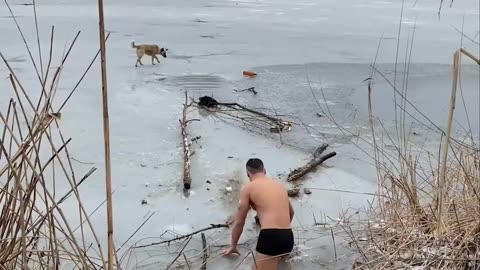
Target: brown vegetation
(426,215)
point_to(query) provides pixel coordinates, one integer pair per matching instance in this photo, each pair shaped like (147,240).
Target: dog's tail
(133,44)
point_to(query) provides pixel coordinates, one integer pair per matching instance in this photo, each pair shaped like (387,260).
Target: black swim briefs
(275,242)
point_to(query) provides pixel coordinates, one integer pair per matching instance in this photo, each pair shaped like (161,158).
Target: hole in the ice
(197,82)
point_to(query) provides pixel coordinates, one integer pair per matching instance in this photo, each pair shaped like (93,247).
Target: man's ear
(264,171)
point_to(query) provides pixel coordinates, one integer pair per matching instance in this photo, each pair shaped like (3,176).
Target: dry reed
(106,135)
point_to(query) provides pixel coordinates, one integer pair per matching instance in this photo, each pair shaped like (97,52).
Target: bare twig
(251,89)
(24,40)
(83,76)
(186,261)
(135,232)
(179,253)
(463,34)
(346,191)
(205,252)
(211,227)
(38,36)
(334,244)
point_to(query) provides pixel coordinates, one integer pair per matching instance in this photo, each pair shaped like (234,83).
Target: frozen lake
(300,50)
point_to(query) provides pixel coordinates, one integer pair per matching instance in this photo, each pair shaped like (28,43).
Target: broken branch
(312,164)
(187,179)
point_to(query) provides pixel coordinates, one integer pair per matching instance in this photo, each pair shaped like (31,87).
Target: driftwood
(312,164)
(205,252)
(187,179)
(211,227)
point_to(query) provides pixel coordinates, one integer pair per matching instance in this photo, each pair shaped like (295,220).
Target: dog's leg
(139,56)
(157,59)
(153,57)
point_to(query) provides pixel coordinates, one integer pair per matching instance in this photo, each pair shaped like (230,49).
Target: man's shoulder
(272,181)
(266,182)
(247,187)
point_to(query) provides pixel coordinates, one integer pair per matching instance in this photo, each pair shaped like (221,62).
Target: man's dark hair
(255,165)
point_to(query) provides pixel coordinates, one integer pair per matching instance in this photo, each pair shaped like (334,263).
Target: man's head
(255,167)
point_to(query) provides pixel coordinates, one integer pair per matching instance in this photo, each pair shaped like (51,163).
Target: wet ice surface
(300,50)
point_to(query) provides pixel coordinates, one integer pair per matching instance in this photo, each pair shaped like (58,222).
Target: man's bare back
(270,199)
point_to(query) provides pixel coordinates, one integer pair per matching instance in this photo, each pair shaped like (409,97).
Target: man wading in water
(270,199)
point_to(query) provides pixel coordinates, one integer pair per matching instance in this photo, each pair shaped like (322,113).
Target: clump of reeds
(403,229)
(426,215)
(35,164)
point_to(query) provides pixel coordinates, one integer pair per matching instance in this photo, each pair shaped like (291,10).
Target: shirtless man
(270,199)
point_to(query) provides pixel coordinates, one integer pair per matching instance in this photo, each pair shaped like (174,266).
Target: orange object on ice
(248,73)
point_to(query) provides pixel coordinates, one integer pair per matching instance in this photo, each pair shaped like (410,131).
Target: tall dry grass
(427,211)
(37,176)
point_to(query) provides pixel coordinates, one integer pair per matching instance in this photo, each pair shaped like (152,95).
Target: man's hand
(230,251)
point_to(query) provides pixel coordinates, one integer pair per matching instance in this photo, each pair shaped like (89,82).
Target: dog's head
(163,52)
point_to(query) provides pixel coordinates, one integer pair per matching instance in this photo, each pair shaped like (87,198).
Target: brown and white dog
(148,49)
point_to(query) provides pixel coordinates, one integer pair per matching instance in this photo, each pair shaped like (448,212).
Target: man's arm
(243,207)
(292,212)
